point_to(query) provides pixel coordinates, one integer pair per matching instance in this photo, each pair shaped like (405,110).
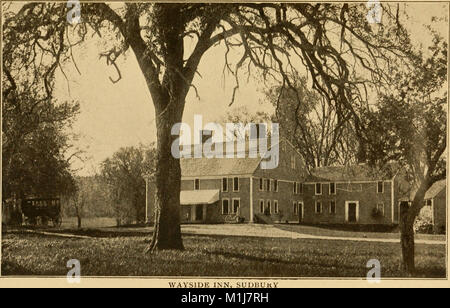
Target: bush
(377,213)
(423,225)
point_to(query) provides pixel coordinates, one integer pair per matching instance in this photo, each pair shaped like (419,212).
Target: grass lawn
(326,231)
(31,254)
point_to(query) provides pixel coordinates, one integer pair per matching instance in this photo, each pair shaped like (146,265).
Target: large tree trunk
(407,243)
(407,220)
(167,232)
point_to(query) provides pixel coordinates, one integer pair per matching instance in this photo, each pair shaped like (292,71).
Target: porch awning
(190,197)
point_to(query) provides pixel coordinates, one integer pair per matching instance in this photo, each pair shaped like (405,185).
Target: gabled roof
(194,167)
(218,166)
(435,189)
(360,172)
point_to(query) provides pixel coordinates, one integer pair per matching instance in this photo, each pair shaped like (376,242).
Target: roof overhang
(191,197)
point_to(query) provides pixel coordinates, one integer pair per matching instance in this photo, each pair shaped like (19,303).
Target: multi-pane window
(380,208)
(295,207)
(380,187)
(428,202)
(332,188)
(294,187)
(318,188)
(332,207)
(225,184)
(197,184)
(261,184)
(261,206)
(269,206)
(300,188)
(275,206)
(236,184)
(225,206)
(236,205)
(318,207)
(268,185)
(275,185)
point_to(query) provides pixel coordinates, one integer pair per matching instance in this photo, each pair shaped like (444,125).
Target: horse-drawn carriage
(42,211)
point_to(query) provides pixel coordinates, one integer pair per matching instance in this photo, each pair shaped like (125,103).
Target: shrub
(423,225)
(377,213)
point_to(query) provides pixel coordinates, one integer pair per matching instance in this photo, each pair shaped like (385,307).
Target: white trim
(382,190)
(232,206)
(276,208)
(236,177)
(335,207)
(432,211)
(270,184)
(315,189)
(329,189)
(263,206)
(275,181)
(302,209)
(346,210)
(381,203)
(295,207)
(261,181)
(195,180)
(228,199)
(225,178)
(321,206)
(251,200)
(269,204)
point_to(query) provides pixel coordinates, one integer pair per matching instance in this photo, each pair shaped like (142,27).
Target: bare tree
(334,42)
(315,129)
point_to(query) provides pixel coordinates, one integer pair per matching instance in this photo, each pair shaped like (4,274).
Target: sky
(122,114)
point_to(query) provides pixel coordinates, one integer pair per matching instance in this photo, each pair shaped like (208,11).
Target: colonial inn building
(222,190)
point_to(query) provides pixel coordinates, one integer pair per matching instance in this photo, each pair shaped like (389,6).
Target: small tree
(123,173)
(409,126)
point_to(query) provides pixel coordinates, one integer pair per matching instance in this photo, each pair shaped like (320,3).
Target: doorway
(198,212)
(352,211)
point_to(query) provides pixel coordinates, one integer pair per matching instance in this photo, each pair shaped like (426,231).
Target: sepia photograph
(224,144)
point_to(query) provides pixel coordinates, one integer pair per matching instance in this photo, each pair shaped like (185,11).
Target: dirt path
(273,232)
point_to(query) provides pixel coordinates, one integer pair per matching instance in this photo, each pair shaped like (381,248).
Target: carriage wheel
(57,222)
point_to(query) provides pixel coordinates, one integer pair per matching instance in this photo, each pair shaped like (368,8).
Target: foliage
(36,148)
(377,213)
(124,175)
(423,225)
(89,199)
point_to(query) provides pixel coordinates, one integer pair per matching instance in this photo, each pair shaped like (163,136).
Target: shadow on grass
(13,269)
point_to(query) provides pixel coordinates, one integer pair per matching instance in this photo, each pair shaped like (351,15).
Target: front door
(300,212)
(352,208)
(199,212)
